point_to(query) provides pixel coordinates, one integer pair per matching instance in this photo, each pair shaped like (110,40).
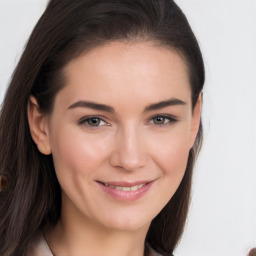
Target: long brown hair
(31,199)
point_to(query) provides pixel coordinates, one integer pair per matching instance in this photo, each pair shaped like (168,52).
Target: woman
(99,130)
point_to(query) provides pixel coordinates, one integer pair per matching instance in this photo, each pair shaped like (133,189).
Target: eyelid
(172,119)
(83,120)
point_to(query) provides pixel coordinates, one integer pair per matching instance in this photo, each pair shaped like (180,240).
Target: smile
(125,191)
(133,188)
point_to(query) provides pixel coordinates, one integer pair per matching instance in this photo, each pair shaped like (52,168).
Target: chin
(128,222)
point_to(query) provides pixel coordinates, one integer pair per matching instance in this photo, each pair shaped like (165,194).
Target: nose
(129,151)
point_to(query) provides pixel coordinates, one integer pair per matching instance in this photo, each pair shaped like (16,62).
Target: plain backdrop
(222,219)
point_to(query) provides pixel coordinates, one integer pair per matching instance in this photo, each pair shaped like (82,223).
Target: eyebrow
(106,108)
(92,105)
(165,103)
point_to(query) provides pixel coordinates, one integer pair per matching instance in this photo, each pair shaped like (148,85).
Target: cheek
(76,154)
(170,154)
(171,151)
(173,160)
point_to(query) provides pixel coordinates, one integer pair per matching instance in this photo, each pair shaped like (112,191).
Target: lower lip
(126,195)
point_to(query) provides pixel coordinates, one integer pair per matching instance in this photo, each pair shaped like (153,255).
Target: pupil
(159,120)
(94,121)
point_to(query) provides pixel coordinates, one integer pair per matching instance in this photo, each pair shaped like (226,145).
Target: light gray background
(222,220)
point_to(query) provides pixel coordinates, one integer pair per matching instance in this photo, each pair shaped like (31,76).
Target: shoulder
(38,247)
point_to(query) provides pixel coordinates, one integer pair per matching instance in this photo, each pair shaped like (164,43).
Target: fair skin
(120,134)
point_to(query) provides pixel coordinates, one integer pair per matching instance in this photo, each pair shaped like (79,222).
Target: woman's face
(120,133)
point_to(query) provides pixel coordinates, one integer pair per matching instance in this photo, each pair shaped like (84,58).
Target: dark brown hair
(32,197)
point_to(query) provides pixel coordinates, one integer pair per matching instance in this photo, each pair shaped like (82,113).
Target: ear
(196,118)
(38,124)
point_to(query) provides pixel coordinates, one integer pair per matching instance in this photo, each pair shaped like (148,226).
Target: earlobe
(38,127)
(196,119)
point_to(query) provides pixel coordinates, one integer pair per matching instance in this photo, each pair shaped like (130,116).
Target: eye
(163,120)
(159,120)
(92,122)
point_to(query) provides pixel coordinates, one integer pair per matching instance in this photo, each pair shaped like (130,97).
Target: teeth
(133,188)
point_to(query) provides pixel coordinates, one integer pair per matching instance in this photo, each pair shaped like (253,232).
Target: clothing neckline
(40,247)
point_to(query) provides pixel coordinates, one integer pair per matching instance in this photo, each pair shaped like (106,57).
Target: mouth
(126,191)
(125,188)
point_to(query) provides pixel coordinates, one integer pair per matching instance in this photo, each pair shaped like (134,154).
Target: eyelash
(169,118)
(85,121)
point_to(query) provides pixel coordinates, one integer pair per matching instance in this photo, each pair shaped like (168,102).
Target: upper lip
(125,183)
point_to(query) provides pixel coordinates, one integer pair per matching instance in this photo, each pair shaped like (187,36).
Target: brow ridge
(163,104)
(92,105)
(103,107)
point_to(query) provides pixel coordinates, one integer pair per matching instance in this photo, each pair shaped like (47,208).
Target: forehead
(138,70)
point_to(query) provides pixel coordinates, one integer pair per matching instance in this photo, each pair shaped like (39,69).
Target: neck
(85,238)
